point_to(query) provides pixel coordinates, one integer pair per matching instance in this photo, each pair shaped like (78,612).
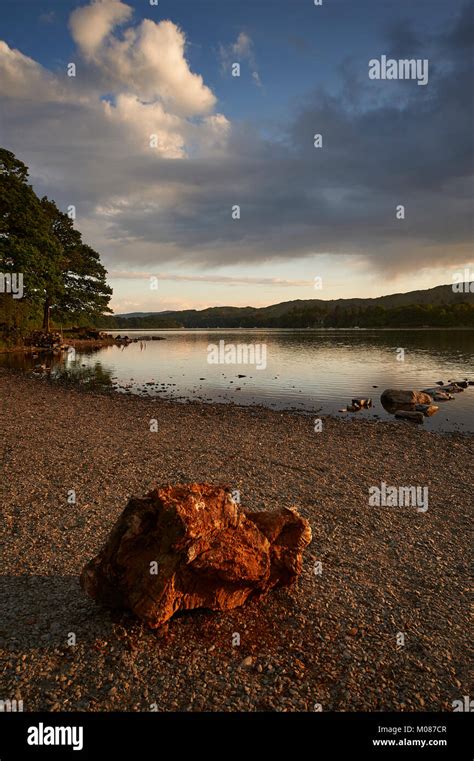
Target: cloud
(147,60)
(135,93)
(129,275)
(87,142)
(240,50)
(91,24)
(47,17)
(23,78)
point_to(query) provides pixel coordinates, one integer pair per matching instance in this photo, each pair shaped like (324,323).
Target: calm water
(306,370)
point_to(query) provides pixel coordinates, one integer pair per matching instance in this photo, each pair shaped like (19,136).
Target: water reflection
(62,367)
(306,370)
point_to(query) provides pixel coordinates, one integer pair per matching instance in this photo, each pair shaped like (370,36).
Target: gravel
(329,640)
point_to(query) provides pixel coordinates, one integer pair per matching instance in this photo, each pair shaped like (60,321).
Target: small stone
(427,409)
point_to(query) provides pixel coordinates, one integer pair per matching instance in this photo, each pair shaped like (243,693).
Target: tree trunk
(47,307)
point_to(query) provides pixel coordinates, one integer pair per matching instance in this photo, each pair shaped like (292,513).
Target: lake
(317,371)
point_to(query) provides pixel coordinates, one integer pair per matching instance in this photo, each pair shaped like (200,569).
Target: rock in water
(415,417)
(427,409)
(393,396)
(438,394)
(454,388)
(191,546)
(362,403)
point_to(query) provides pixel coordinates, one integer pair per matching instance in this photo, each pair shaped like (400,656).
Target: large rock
(191,546)
(394,396)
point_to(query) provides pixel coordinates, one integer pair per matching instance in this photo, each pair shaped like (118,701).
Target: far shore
(330,640)
(295,330)
(111,334)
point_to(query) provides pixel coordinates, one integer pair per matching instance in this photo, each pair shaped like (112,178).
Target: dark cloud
(399,143)
(385,143)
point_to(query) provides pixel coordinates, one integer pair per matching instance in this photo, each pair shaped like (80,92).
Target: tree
(82,291)
(27,245)
(60,272)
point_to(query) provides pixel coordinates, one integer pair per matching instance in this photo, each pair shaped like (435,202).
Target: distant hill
(433,307)
(129,315)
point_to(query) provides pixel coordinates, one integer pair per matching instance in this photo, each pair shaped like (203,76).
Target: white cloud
(147,60)
(86,139)
(150,60)
(154,105)
(21,77)
(139,122)
(91,24)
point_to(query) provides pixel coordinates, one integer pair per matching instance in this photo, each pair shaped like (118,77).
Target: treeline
(409,316)
(47,272)
(143,323)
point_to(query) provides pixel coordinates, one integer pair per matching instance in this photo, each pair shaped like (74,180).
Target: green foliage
(61,274)
(27,243)
(82,293)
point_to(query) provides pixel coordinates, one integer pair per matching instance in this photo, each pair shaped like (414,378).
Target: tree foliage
(62,275)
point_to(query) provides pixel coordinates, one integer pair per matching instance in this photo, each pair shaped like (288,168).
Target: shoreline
(77,343)
(291,330)
(100,340)
(97,343)
(330,639)
(72,384)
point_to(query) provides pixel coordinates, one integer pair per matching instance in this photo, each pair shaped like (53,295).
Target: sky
(200,188)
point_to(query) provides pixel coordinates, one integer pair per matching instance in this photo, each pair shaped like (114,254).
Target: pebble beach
(70,460)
